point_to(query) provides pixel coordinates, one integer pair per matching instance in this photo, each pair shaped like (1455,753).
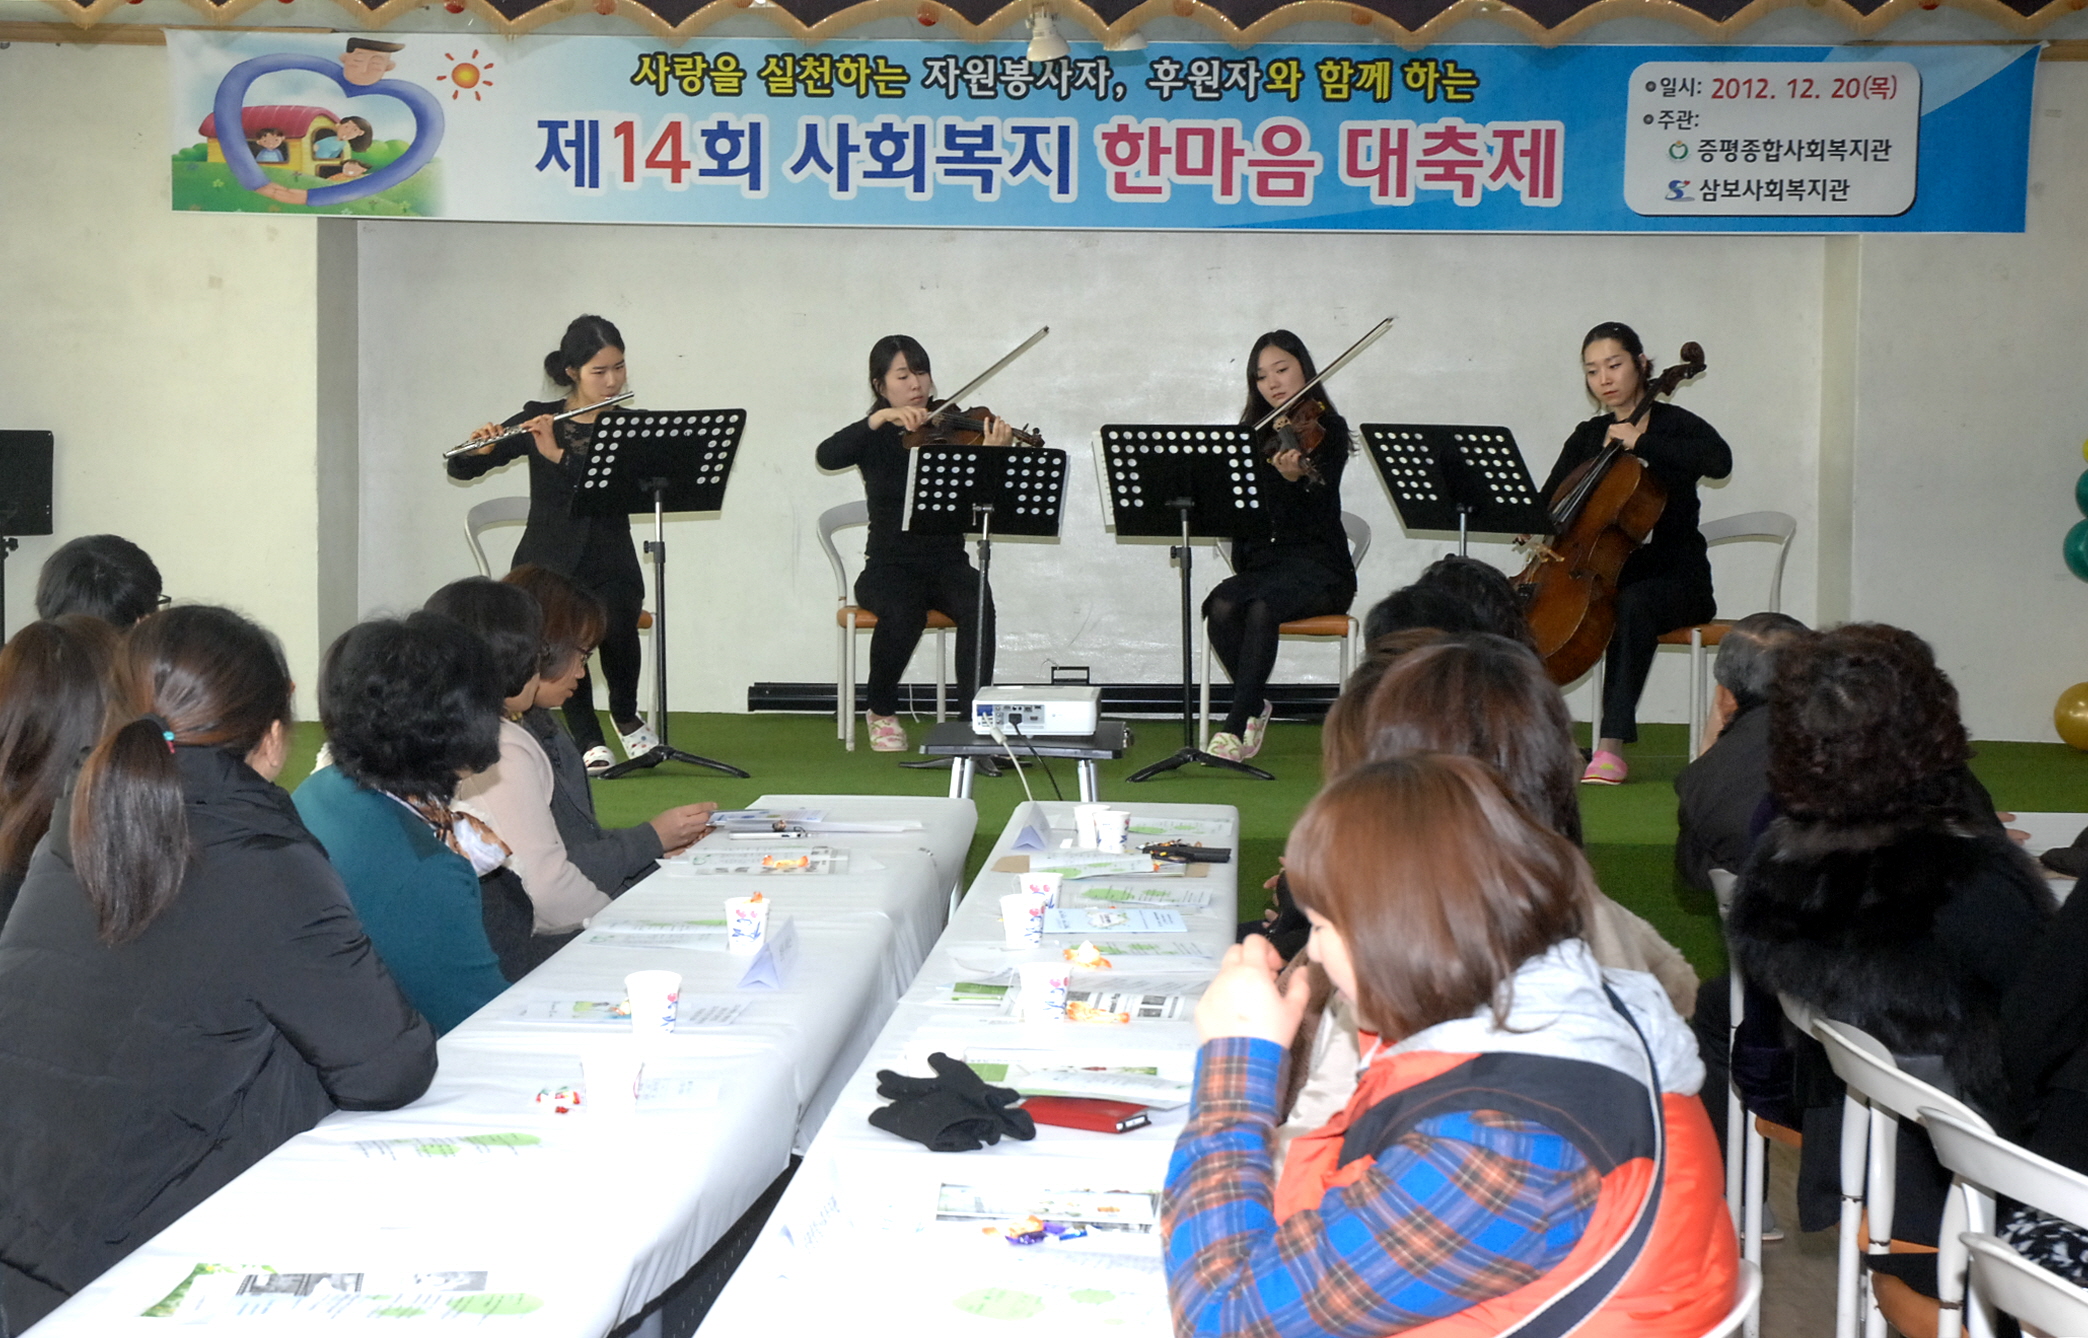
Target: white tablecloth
(852,1247)
(590,1215)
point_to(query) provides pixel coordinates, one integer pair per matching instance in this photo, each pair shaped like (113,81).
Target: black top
(1679,448)
(614,858)
(882,457)
(141,1078)
(1302,520)
(595,551)
(1719,793)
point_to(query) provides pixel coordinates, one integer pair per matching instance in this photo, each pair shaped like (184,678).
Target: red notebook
(1086,1112)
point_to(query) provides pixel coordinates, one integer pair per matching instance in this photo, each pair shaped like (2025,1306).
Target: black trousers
(620,660)
(1243,612)
(901,595)
(1645,609)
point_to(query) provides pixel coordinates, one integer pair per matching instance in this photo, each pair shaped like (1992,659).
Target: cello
(1604,510)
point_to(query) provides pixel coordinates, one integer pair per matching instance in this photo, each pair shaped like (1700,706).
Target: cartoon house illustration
(302,129)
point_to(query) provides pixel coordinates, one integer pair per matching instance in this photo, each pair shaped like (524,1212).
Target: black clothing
(1292,561)
(141,1078)
(10,884)
(613,858)
(1718,794)
(1915,933)
(595,552)
(906,575)
(1673,566)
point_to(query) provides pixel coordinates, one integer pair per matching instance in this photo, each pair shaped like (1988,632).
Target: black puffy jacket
(139,1079)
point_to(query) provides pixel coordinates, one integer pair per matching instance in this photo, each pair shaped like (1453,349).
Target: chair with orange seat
(850,618)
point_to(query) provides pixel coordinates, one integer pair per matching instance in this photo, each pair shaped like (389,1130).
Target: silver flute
(518,430)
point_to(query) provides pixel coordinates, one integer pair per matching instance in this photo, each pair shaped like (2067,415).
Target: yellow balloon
(2070,716)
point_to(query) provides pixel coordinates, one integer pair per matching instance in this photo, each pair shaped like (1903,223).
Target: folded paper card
(771,967)
(1112,919)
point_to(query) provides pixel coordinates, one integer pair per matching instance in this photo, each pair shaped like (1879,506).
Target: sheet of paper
(764,819)
(1150,955)
(783,859)
(504,1146)
(691,1011)
(1140,1006)
(218,1292)
(1194,830)
(1112,920)
(699,935)
(1095,864)
(672,1084)
(1173,895)
(1097,1209)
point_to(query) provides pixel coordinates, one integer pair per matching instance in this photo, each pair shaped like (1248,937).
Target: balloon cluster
(2070,715)
(2077,537)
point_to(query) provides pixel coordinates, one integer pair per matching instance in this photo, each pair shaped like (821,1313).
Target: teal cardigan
(417,898)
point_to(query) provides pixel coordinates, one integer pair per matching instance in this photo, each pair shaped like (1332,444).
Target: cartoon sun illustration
(467,76)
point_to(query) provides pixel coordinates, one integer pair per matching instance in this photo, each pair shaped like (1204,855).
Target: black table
(955,739)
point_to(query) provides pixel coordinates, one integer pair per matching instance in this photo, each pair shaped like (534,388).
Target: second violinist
(907,575)
(1296,563)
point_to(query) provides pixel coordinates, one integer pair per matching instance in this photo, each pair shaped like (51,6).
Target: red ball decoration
(926,16)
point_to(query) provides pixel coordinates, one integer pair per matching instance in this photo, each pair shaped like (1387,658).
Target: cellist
(1667,583)
(906,575)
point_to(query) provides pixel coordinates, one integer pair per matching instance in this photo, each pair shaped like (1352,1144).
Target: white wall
(455,319)
(1972,406)
(171,355)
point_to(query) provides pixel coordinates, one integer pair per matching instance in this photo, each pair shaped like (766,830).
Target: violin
(1299,429)
(1604,510)
(951,426)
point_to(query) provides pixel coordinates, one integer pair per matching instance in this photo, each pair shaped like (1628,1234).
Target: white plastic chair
(1880,1095)
(1768,526)
(850,619)
(1747,1305)
(2045,1302)
(1987,1165)
(1345,629)
(1747,1148)
(487,514)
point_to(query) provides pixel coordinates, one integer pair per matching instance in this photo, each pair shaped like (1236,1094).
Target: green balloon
(2081,492)
(2077,549)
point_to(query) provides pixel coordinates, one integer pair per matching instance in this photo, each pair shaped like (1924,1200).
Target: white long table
(853,1248)
(588,1214)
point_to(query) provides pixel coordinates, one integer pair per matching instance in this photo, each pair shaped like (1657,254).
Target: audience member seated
(1455,594)
(520,795)
(183,983)
(1488,698)
(1720,792)
(53,695)
(1518,1105)
(1883,899)
(105,575)
(409,706)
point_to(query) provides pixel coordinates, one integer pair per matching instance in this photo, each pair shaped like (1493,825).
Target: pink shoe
(887,735)
(1605,768)
(1257,729)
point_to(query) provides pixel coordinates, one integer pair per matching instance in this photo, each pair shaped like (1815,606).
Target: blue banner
(951,135)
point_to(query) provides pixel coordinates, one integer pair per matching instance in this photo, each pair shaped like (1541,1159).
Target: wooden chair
(1346,629)
(850,619)
(1768,526)
(1880,1095)
(1986,1166)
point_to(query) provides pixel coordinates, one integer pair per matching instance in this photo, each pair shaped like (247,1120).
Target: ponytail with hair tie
(159,723)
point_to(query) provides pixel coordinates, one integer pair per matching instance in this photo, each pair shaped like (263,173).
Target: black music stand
(25,497)
(1447,477)
(676,460)
(1159,477)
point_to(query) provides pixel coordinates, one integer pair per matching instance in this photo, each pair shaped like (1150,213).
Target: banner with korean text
(952,135)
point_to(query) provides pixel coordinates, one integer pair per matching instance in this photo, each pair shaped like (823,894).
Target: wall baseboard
(1302,701)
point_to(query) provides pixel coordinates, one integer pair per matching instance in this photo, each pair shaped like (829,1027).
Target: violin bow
(1376,332)
(983,377)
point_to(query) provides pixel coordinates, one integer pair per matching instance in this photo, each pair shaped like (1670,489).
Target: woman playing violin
(1295,564)
(597,554)
(1667,583)
(906,575)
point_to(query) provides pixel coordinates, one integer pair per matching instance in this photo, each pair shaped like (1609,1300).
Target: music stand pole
(1189,753)
(663,751)
(983,511)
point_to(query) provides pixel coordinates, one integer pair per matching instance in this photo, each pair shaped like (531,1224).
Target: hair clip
(168,735)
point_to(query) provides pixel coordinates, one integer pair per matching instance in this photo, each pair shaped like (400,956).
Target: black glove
(955,1111)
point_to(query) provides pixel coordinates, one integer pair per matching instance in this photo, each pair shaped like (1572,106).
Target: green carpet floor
(1630,828)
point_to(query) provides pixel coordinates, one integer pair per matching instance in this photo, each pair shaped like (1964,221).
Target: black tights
(620,660)
(1243,613)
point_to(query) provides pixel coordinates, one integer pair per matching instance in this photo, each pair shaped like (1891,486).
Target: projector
(1033,712)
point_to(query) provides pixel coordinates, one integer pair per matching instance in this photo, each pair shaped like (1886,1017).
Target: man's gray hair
(1746,663)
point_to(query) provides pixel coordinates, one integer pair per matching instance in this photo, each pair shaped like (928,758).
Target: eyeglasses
(163,601)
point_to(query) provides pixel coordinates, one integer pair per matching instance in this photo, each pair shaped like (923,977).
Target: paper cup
(746,924)
(612,1077)
(1112,828)
(654,996)
(1084,824)
(1045,885)
(1022,919)
(1044,985)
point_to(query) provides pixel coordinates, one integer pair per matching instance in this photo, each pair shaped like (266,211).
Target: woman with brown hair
(183,983)
(1524,1134)
(53,694)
